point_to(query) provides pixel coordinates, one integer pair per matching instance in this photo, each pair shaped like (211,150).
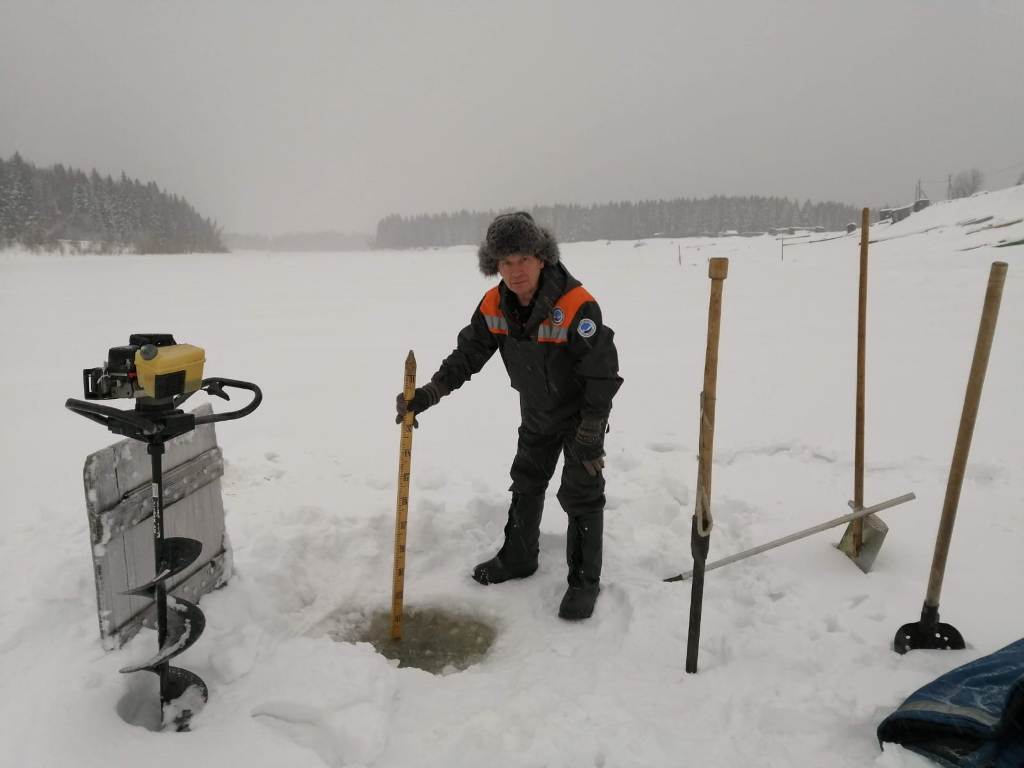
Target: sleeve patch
(587,328)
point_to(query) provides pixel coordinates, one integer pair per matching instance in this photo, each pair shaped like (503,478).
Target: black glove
(588,445)
(423,398)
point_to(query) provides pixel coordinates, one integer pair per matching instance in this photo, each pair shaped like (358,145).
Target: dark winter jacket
(562,360)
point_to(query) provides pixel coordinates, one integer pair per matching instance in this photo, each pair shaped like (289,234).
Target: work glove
(588,445)
(423,398)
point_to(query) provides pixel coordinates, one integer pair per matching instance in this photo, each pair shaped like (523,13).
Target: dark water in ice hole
(433,639)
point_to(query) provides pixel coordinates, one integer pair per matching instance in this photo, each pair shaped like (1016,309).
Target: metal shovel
(872,534)
(864,536)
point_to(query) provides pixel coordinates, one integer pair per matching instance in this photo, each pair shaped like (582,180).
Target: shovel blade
(928,634)
(874,531)
(921,635)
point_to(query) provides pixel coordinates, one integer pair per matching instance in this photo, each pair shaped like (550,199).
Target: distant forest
(682,217)
(298,241)
(62,208)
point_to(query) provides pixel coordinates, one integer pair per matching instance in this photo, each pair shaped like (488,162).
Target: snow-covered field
(795,664)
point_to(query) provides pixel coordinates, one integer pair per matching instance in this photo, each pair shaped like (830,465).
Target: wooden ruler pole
(402,505)
(857,527)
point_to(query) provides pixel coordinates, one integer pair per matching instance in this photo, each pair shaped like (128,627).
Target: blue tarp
(972,717)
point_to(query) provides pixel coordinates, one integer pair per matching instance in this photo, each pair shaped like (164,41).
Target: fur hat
(515,233)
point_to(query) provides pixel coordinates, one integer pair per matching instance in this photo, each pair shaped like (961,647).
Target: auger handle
(111,417)
(215,386)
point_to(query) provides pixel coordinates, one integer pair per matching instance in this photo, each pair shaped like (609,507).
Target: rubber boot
(517,557)
(583,548)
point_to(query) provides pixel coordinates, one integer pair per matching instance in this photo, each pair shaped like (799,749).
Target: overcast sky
(302,115)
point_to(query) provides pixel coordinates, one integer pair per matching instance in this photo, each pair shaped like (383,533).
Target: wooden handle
(402,504)
(700,529)
(857,528)
(982,348)
(718,270)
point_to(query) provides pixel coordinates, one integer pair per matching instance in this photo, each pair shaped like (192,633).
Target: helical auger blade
(185,623)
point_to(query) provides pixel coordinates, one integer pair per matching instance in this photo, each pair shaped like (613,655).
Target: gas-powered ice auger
(160,375)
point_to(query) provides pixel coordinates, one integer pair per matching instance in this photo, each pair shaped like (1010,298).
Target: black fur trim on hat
(515,233)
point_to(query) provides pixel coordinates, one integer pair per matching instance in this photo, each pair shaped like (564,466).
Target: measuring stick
(402,505)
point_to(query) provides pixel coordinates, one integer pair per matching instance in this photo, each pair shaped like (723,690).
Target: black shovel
(929,632)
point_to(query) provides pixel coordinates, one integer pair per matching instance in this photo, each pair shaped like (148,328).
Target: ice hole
(433,639)
(140,704)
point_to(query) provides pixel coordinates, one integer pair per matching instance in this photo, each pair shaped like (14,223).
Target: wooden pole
(700,533)
(857,527)
(986,332)
(402,505)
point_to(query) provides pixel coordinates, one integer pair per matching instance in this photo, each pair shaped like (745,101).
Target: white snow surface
(796,666)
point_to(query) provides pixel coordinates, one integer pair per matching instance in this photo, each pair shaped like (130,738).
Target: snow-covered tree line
(64,208)
(680,217)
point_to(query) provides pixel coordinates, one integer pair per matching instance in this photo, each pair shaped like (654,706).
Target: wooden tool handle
(700,529)
(718,270)
(982,348)
(857,528)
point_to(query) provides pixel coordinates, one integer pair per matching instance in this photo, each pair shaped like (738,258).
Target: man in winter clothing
(561,359)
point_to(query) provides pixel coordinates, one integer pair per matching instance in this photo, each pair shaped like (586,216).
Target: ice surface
(795,666)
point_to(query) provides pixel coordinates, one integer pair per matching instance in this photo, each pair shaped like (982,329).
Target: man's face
(521,273)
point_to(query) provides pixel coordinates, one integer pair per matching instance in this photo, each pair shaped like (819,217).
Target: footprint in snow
(665,447)
(856,600)
(354,734)
(794,451)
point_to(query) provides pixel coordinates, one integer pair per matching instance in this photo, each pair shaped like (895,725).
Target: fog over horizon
(315,116)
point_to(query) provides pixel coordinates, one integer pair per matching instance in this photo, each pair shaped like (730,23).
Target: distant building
(899,214)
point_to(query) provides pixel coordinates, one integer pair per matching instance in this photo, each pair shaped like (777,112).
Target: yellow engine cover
(175,370)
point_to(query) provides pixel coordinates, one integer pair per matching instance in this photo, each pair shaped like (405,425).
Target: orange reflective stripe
(548,332)
(490,308)
(567,307)
(572,301)
(491,304)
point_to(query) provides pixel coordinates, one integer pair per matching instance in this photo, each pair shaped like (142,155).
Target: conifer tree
(62,207)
